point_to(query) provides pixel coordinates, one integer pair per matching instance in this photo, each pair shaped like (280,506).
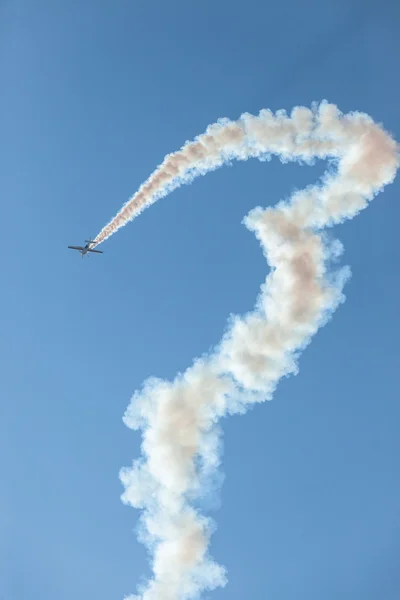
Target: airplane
(85,249)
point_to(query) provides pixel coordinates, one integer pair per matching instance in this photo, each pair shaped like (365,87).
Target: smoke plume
(179,419)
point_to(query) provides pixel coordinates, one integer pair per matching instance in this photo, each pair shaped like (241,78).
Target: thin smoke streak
(180,448)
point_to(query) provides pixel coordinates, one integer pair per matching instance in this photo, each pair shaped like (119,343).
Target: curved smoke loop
(178,419)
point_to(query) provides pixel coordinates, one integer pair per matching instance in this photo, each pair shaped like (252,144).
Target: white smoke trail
(178,419)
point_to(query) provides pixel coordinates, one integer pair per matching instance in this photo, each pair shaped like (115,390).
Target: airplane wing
(97,251)
(76,247)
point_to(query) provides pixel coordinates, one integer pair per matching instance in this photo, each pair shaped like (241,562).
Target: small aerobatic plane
(87,248)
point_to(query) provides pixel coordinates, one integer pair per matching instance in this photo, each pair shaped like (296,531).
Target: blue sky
(94,94)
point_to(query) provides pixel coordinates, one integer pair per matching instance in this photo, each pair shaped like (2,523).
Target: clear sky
(94,94)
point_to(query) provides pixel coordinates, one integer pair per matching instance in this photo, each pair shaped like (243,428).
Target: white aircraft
(85,249)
